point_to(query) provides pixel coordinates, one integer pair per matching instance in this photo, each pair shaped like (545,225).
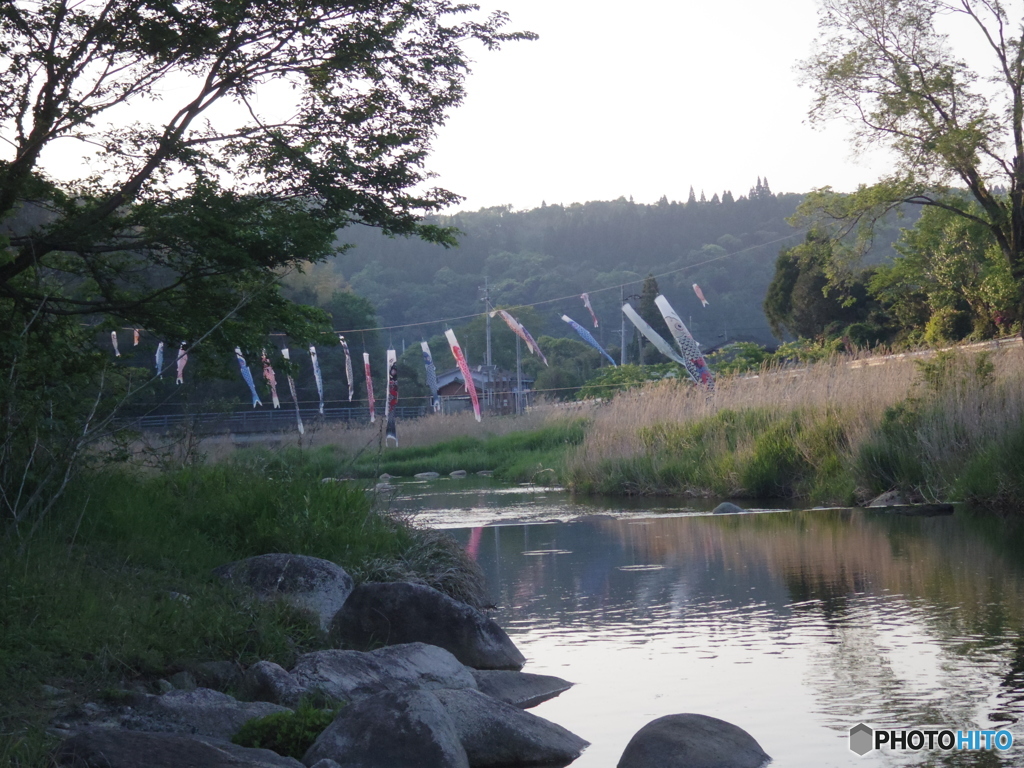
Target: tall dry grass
(841,407)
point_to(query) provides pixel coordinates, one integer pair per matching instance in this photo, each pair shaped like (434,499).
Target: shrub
(289,734)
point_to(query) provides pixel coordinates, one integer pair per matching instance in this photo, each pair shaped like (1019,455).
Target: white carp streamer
(318,377)
(693,359)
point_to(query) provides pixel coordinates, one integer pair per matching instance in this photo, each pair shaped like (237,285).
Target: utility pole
(622,326)
(489,393)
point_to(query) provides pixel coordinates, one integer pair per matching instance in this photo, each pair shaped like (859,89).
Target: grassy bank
(950,427)
(94,602)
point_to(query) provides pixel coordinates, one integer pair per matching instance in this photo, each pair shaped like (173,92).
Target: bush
(289,734)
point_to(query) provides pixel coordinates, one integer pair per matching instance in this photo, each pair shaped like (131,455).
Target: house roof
(481,378)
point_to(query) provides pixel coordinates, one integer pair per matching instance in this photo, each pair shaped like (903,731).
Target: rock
(398,612)
(106,748)
(163,686)
(892,498)
(309,583)
(183,681)
(267,681)
(426,475)
(494,733)
(520,689)
(408,729)
(727,508)
(383,488)
(353,675)
(692,741)
(218,675)
(486,473)
(458,473)
(201,711)
(325,763)
(53,693)
(385,477)
(917,510)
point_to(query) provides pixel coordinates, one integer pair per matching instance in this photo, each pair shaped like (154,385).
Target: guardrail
(271,420)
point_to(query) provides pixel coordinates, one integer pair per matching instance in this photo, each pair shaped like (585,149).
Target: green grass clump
(287,733)
(519,456)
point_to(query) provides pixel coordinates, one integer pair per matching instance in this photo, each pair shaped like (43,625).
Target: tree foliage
(227,142)
(887,68)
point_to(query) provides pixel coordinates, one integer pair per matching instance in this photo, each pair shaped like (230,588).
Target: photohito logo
(864,739)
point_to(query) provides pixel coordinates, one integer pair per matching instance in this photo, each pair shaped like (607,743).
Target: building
(495,388)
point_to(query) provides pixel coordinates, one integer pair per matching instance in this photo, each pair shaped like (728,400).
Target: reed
(833,432)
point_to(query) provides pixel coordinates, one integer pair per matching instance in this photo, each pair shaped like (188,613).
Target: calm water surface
(794,625)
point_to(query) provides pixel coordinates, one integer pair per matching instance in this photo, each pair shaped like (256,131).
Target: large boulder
(315,585)
(201,711)
(406,729)
(108,748)
(398,612)
(520,689)
(692,741)
(353,675)
(494,733)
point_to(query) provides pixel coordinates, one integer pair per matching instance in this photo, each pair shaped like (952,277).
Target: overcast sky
(643,98)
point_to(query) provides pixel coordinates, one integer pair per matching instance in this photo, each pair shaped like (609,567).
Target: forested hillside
(728,246)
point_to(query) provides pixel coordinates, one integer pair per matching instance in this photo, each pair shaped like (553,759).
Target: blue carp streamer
(585,335)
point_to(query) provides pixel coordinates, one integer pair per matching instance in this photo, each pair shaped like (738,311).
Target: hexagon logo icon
(861,739)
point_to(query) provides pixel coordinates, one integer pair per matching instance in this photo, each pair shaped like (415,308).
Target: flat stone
(494,733)
(397,612)
(318,586)
(426,476)
(183,681)
(108,748)
(727,508)
(692,741)
(520,689)
(354,675)
(458,473)
(407,729)
(267,681)
(200,711)
(485,473)
(889,499)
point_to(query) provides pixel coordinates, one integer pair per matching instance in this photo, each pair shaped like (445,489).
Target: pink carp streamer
(295,398)
(520,330)
(271,377)
(693,359)
(700,295)
(590,309)
(247,375)
(135,335)
(182,362)
(160,359)
(318,377)
(113,340)
(460,360)
(348,368)
(391,404)
(369,387)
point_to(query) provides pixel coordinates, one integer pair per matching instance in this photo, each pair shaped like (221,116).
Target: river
(793,624)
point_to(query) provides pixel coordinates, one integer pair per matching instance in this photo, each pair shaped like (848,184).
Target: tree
(256,130)
(884,66)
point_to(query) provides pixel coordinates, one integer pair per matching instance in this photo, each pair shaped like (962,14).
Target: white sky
(643,98)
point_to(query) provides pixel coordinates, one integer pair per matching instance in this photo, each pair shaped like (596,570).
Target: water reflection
(793,625)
